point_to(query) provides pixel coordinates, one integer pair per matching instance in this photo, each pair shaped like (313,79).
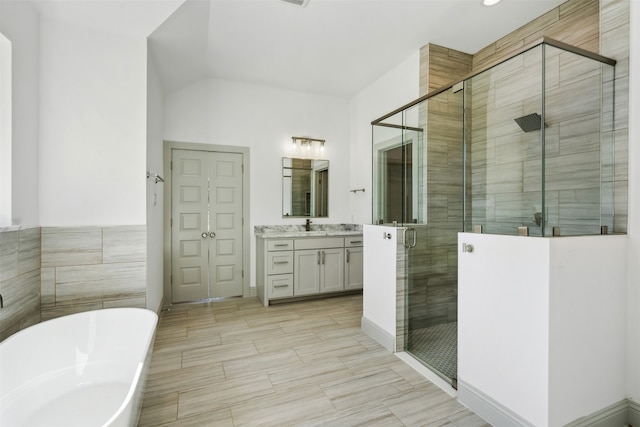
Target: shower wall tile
(19,280)
(576,22)
(402,296)
(614,43)
(86,268)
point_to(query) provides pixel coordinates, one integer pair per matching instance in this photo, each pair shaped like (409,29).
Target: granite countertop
(317,230)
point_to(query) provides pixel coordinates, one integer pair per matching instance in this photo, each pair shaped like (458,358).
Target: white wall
(503,324)
(19,23)
(633,282)
(379,278)
(392,90)
(264,119)
(92,126)
(155,193)
(541,326)
(587,330)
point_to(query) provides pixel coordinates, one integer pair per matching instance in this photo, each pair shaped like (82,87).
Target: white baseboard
(616,415)
(378,334)
(620,414)
(634,413)
(487,408)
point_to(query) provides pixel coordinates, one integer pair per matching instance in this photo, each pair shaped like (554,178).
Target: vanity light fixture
(307,143)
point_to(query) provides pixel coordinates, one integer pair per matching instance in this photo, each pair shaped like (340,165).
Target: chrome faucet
(307,225)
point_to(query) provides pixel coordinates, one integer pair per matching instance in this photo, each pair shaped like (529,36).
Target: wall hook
(157,177)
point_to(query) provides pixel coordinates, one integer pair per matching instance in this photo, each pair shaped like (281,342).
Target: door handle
(414,240)
(347,255)
(212,234)
(204,235)
(322,257)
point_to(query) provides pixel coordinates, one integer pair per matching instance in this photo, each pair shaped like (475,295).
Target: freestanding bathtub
(85,369)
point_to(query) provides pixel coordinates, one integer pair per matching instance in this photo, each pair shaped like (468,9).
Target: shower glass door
(418,172)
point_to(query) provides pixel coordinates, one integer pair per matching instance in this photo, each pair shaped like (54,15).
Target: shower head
(530,122)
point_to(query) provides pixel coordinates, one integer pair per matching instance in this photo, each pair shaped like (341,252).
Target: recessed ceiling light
(490,2)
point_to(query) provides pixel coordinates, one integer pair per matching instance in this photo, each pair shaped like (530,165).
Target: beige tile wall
(576,22)
(19,280)
(506,168)
(431,290)
(87,268)
(614,43)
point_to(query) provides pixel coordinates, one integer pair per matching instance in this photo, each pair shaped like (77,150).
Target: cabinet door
(353,268)
(331,270)
(306,270)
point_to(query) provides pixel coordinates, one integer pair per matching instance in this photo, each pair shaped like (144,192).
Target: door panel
(207,250)
(189,210)
(225,219)
(306,272)
(332,270)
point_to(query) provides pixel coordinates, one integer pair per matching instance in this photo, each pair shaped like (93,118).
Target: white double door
(206,230)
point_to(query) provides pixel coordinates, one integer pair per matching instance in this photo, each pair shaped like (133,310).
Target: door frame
(167,148)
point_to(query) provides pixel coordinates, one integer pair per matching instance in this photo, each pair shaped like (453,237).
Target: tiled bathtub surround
(19,279)
(88,268)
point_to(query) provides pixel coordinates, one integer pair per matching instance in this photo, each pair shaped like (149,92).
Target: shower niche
(522,147)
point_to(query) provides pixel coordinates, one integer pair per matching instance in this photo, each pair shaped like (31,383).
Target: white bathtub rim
(80,314)
(125,409)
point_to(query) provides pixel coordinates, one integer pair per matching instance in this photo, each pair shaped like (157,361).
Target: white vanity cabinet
(353,263)
(277,264)
(307,266)
(318,265)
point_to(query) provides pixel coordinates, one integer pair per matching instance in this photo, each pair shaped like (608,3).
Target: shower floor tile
(437,346)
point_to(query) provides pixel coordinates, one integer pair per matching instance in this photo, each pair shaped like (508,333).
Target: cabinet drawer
(279,245)
(353,241)
(279,262)
(321,243)
(280,286)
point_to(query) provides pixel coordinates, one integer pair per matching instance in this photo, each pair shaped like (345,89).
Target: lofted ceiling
(331,47)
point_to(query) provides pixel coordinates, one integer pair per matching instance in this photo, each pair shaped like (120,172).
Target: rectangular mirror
(305,188)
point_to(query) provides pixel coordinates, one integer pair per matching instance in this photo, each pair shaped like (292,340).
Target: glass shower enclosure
(523,147)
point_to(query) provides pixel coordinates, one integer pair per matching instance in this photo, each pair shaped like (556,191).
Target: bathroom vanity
(293,264)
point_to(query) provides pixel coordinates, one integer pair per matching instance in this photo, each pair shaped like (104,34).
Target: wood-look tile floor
(237,363)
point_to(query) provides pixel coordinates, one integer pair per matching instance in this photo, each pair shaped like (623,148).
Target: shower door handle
(414,240)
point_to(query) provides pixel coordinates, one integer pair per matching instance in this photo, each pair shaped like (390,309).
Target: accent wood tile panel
(8,255)
(48,285)
(66,246)
(124,243)
(99,282)
(29,250)
(19,280)
(21,296)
